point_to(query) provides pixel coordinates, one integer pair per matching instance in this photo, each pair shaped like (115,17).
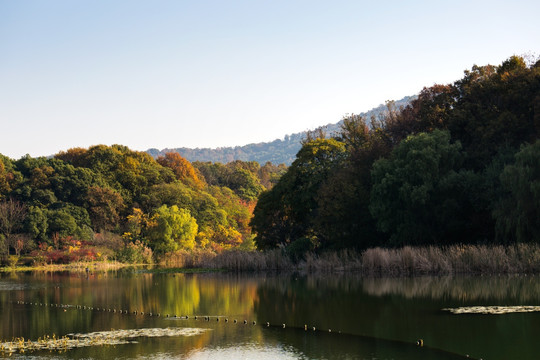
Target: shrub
(298,249)
(135,253)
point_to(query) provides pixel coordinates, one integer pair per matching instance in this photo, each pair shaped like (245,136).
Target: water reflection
(508,288)
(406,309)
(369,317)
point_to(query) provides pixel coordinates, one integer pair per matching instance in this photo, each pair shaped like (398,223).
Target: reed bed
(408,260)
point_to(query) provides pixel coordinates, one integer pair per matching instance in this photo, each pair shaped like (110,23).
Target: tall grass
(456,259)
(234,260)
(430,260)
(81,267)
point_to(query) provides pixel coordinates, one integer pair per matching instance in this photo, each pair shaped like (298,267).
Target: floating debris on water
(492,310)
(72,341)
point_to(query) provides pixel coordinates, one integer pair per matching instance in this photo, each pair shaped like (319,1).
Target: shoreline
(72,267)
(405,261)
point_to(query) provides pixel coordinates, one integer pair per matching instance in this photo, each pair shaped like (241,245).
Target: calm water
(369,318)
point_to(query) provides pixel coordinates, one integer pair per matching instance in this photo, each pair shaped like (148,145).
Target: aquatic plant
(100,338)
(492,310)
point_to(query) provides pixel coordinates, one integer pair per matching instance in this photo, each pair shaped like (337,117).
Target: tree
(61,223)
(12,215)
(343,219)
(226,237)
(21,242)
(288,211)
(420,195)
(104,207)
(173,229)
(9,177)
(245,184)
(182,169)
(4,183)
(495,108)
(74,156)
(518,212)
(36,223)
(136,224)
(269,174)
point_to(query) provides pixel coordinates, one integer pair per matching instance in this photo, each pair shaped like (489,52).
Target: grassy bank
(457,259)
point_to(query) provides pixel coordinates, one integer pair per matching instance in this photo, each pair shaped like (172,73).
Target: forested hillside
(279,151)
(114,203)
(460,164)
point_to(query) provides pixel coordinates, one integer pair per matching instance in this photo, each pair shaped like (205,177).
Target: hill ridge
(278,151)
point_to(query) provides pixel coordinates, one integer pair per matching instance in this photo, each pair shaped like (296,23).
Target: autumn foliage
(125,203)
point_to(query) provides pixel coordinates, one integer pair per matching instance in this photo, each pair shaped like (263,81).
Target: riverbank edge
(405,261)
(101,266)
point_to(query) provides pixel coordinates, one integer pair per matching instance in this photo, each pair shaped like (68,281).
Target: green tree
(420,195)
(173,229)
(36,224)
(343,219)
(287,212)
(175,193)
(518,212)
(61,223)
(245,184)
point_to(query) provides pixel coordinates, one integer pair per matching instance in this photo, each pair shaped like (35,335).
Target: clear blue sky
(75,73)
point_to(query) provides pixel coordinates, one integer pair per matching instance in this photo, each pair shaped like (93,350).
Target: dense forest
(459,165)
(106,203)
(279,151)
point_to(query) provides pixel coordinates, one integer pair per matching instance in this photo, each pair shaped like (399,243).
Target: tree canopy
(125,200)
(458,164)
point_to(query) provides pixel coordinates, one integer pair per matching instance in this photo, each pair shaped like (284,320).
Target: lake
(225,316)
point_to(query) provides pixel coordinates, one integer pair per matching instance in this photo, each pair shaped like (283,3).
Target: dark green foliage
(36,223)
(61,223)
(518,212)
(289,210)
(419,194)
(439,170)
(271,220)
(344,220)
(9,177)
(298,249)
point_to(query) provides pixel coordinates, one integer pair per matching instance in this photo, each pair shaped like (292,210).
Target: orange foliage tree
(183,170)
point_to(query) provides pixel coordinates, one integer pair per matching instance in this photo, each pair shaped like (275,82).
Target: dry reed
(100,266)
(429,260)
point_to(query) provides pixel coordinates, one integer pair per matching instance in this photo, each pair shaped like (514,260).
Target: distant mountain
(279,151)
